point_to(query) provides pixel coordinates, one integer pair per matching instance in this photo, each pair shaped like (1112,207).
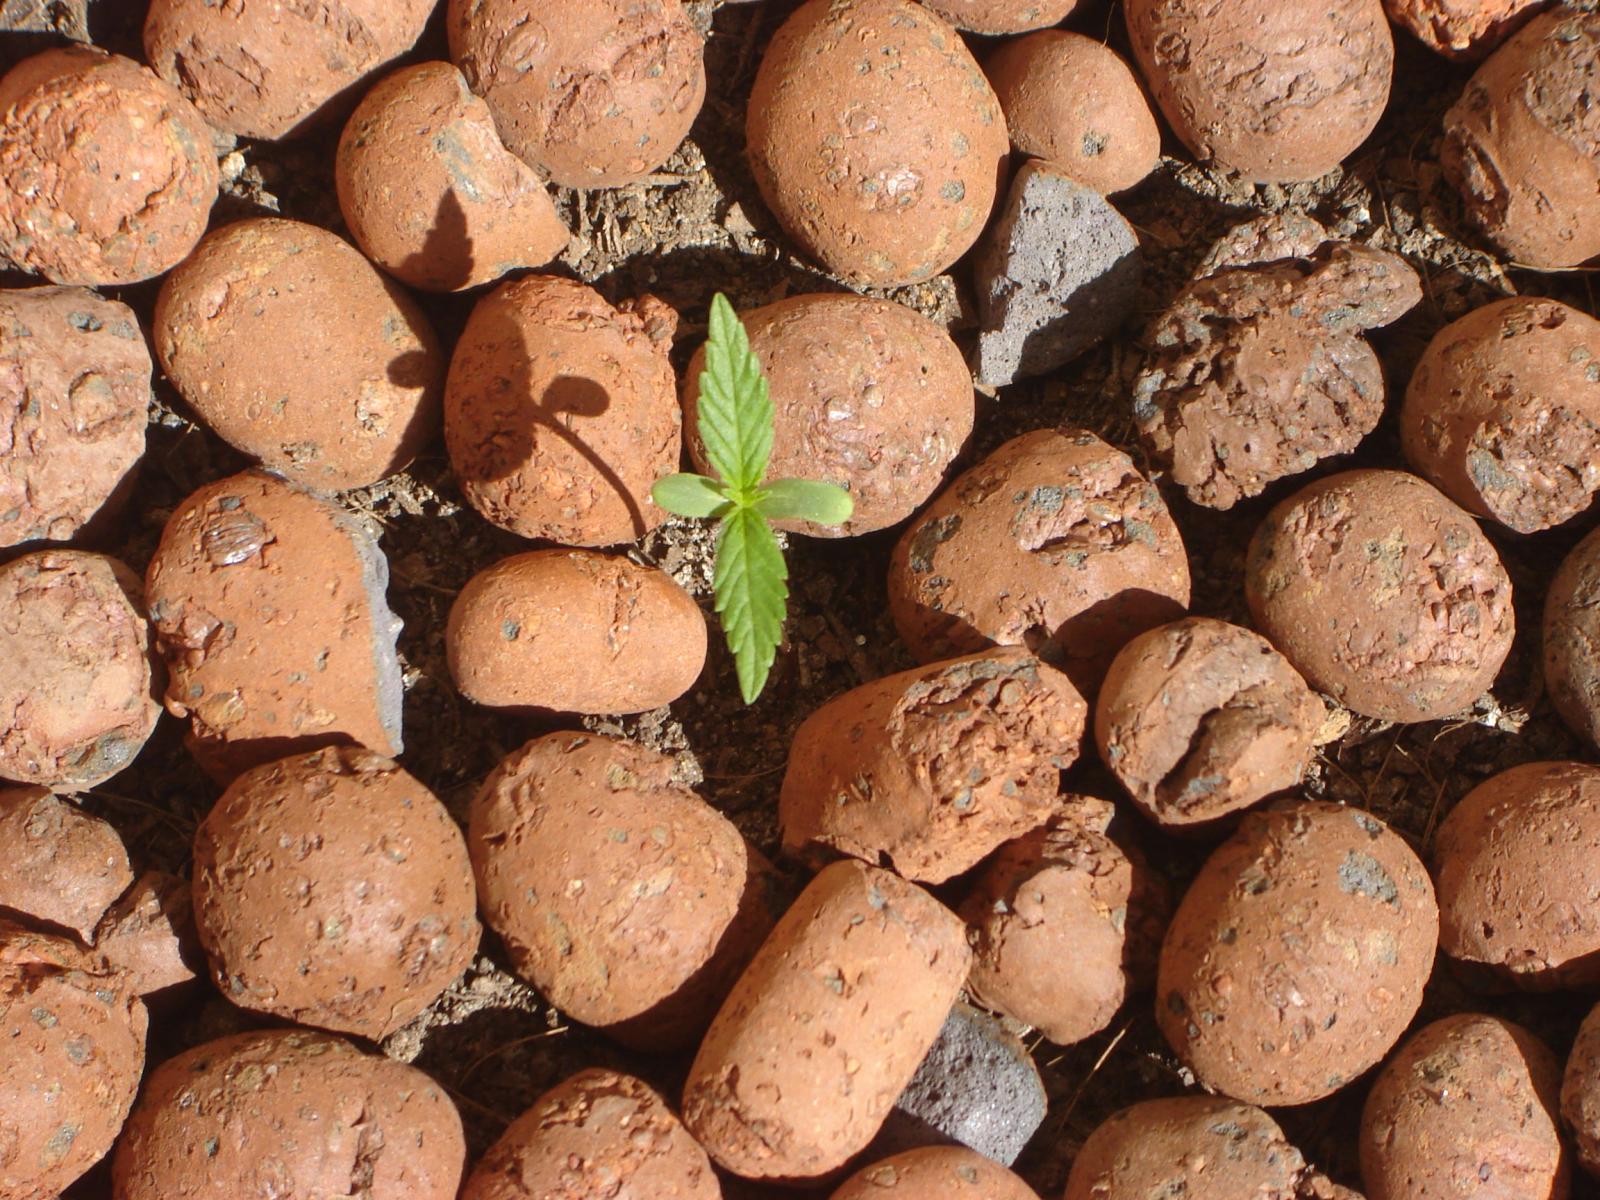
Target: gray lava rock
(1060,272)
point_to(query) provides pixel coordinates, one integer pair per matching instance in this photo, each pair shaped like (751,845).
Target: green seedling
(735,427)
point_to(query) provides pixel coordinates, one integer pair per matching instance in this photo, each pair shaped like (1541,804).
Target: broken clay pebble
(598,1133)
(1298,956)
(628,901)
(1503,412)
(79,674)
(826,1026)
(74,398)
(1580,1093)
(574,631)
(269,608)
(1572,639)
(1383,594)
(107,174)
(1200,719)
(149,934)
(929,770)
(935,1173)
(289,1112)
(561,411)
(994,17)
(1461,29)
(57,863)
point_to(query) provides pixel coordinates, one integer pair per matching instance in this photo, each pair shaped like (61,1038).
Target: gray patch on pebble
(386,626)
(1362,875)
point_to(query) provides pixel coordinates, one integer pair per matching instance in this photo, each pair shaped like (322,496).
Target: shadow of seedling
(445,258)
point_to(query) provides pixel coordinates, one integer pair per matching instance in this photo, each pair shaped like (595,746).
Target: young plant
(735,427)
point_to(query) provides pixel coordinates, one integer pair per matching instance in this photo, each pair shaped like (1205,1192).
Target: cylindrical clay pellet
(827,1025)
(935,1173)
(57,863)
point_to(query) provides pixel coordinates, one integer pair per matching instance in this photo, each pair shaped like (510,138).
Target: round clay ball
(1461,29)
(1572,639)
(74,1036)
(1070,99)
(274,70)
(591,95)
(1298,956)
(875,139)
(935,1173)
(1522,147)
(1056,542)
(429,192)
(79,675)
(599,1133)
(561,412)
(58,865)
(238,322)
(1467,1107)
(995,17)
(74,396)
(1200,719)
(867,393)
(1273,91)
(1503,412)
(1517,864)
(1383,594)
(107,174)
(333,889)
(1580,1093)
(291,1113)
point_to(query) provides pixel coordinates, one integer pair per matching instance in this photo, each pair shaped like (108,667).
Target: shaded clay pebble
(1461,29)
(1580,1093)
(1002,16)
(149,934)
(935,1173)
(1572,639)
(57,863)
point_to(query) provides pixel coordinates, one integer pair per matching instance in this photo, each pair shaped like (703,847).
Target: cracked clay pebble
(1466,1107)
(883,166)
(574,631)
(1055,542)
(1298,956)
(1503,412)
(270,611)
(57,863)
(1259,370)
(561,412)
(827,1025)
(935,1173)
(929,770)
(1523,142)
(1517,864)
(1383,594)
(1572,639)
(74,394)
(269,69)
(289,1113)
(1580,1093)
(628,901)
(237,323)
(79,674)
(593,94)
(1200,719)
(867,394)
(333,889)
(1461,29)
(1277,92)
(149,934)
(598,1134)
(429,192)
(995,17)
(107,175)
(1065,925)
(74,1037)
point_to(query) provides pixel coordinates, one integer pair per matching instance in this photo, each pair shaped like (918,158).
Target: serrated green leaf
(806,500)
(735,410)
(689,495)
(752,593)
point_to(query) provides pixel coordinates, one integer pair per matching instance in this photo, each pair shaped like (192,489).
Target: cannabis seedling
(735,427)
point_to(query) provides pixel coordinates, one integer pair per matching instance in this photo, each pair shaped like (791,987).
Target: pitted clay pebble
(1580,1093)
(1298,956)
(826,1026)
(107,175)
(289,1112)
(149,934)
(593,95)
(269,608)
(629,902)
(238,323)
(57,863)
(1572,639)
(74,396)
(867,394)
(1056,542)
(1002,16)
(333,889)
(1461,29)
(929,770)
(599,1133)
(79,674)
(1199,719)
(1383,594)
(875,139)
(429,192)
(1503,412)
(935,1173)
(561,411)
